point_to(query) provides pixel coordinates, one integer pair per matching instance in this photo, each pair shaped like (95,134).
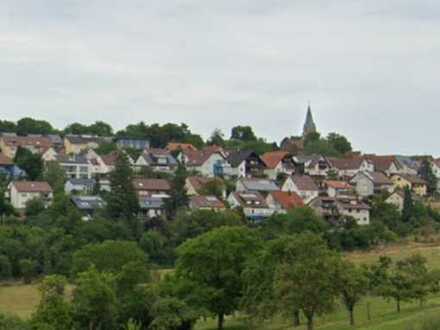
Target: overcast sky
(370,68)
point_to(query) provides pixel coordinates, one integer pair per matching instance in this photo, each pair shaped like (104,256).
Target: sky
(370,69)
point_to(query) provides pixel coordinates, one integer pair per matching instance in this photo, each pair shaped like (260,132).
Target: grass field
(21,300)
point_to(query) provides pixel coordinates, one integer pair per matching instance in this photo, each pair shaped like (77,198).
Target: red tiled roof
(207,202)
(287,200)
(110,159)
(337,184)
(272,159)
(174,146)
(4,160)
(381,163)
(32,186)
(151,184)
(198,157)
(21,141)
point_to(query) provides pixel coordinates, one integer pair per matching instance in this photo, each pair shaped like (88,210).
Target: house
(57,141)
(278,162)
(263,186)
(336,188)
(84,186)
(385,164)
(333,209)
(151,207)
(317,167)
(194,185)
(37,144)
(397,199)
(435,165)
(76,166)
(253,204)
(76,144)
(175,146)
(9,169)
(88,205)
(211,203)
(282,201)
(414,182)
(303,185)
(100,167)
(152,187)
(159,160)
(245,163)
(50,155)
(130,143)
(369,183)
(408,165)
(21,192)
(208,161)
(349,167)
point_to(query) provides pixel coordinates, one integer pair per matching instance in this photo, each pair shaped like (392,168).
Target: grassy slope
(21,300)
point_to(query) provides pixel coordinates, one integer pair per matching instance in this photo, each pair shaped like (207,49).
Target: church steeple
(309,125)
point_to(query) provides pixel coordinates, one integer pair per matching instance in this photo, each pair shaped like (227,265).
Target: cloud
(368,67)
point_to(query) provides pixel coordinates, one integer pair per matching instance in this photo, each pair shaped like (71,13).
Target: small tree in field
(306,279)
(353,284)
(213,264)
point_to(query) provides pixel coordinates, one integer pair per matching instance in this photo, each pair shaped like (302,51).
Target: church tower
(309,125)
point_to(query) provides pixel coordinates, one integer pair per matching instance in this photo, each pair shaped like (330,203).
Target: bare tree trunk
(220,321)
(296,319)
(398,305)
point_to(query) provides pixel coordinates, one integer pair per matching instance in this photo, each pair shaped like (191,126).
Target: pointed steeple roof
(309,125)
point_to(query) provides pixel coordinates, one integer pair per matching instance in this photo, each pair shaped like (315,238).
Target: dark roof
(304,182)
(255,184)
(87,203)
(253,199)
(235,158)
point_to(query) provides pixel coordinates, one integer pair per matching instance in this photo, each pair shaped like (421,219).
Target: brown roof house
(349,167)
(369,183)
(386,164)
(176,146)
(197,185)
(9,144)
(282,201)
(303,185)
(336,188)
(152,187)
(211,203)
(253,204)
(414,182)
(278,162)
(209,161)
(333,209)
(21,192)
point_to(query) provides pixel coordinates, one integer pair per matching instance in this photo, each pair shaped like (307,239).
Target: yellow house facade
(416,184)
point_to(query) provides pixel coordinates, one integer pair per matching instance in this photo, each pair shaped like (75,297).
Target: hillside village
(259,185)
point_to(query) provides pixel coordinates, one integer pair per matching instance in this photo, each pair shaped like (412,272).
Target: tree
(305,278)
(54,175)
(53,311)
(28,270)
(31,163)
(101,128)
(109,256)
(217,138)
(353,285)
(243,133)
(178,197)
(6,208)
(339,142)
(212,264)
(28,125)
(122,202)
(428,175)
(34,207)
(5,268)
(94,304)
(170,313)
(408,205)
